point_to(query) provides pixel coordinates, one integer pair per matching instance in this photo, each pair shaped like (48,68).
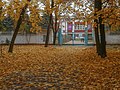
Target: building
(77,29)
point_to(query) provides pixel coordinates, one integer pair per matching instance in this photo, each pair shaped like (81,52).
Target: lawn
(34,67)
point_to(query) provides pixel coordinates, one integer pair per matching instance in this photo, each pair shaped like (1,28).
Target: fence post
(60,38)
(73,38)
(86,36)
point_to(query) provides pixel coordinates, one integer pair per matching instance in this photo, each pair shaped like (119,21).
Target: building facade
(76,29)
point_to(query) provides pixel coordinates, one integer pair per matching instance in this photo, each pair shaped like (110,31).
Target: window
(79,27)
(83,27)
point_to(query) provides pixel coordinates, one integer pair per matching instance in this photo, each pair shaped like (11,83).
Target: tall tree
(97,37)
(56,8)
(100,42)
(96,7)
(17,27)
(49,25)
(55,29)
(1,26)
(60,8)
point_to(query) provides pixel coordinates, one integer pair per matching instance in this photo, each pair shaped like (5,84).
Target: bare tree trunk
(100,44)
(0,17)
(96,6)
(97,37)
(103,41)
(102,34)
(17,28)
(48,29)
(54,37)
(55,30)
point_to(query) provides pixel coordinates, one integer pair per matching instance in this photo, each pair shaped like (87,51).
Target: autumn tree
(101,14)
(102,32)
(97,6)
(21,16)
(111,13)
(62,9)
(49,6)
(55,26)
(1,10)
(96,15)
(0,15)
(56,19)
(17,10)
(107,12)
(54,8)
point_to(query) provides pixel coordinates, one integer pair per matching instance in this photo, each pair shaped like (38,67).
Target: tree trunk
(0,17)
(103,41)
(97,7)
(55,30)
(48,29)
(54,39)
(101,44)
(17,28)
(102,34)
(97,37)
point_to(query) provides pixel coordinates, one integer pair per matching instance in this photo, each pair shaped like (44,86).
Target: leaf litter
(59,68)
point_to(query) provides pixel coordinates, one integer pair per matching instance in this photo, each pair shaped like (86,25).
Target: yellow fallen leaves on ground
(58,68)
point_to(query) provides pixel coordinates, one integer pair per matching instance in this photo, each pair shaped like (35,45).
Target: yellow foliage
(83,9)
(33,24)
(14,8)
(1,4)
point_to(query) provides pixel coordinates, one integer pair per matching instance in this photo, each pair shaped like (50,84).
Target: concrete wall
(112,39)
(38,38)
(33,38)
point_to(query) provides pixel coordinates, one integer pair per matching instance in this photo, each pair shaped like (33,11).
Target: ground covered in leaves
(59,68)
